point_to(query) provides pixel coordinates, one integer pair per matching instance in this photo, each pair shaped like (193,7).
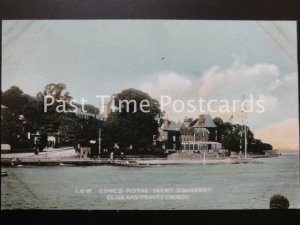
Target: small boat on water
(4,174)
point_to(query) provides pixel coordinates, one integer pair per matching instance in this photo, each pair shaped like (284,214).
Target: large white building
(193,134)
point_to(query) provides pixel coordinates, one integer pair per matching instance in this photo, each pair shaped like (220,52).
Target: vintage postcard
(149,114)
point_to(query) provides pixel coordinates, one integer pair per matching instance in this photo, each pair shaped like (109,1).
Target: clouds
(285,86)
(265,82)
(107,56)
(237,79)
(168,83)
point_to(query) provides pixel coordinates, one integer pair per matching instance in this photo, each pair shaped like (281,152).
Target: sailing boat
(4,173)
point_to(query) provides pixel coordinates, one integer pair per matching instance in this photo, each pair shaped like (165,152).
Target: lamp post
(99,142)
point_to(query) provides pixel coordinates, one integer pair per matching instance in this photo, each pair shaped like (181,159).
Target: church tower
(105,109)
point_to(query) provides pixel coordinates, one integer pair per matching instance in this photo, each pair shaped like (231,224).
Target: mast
(245,141)
(244,123)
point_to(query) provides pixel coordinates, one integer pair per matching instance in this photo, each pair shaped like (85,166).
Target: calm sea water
(235,186)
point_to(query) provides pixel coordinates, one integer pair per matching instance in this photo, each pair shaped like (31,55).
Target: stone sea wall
(191,155)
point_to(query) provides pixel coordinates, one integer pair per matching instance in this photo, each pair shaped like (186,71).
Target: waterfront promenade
(68,156)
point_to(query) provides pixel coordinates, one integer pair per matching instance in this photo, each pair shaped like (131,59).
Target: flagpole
(245,141)
(244,121)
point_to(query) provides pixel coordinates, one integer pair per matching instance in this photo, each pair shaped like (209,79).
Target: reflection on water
(238,186)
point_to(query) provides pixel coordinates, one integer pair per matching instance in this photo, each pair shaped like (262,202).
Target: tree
(232,137)
(79,131)
(14,99)
(130,128)
(25,113)
(51,121)
(58,91)
(15,122)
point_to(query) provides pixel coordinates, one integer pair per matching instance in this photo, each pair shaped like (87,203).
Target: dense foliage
(132,130)
(25,116)
(122,131)
(232,137)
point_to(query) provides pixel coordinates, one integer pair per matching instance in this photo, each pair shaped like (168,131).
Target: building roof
(172,126)
(208,122)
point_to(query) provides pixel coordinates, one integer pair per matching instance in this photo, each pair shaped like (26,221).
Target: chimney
(201,120)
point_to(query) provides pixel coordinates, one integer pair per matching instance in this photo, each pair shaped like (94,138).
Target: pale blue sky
(107,56)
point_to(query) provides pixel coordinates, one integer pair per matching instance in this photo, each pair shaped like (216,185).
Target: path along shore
(125,162)
(68,156)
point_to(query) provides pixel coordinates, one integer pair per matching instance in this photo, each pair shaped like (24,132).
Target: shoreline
(117,162)
(68,157)
(195,162)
